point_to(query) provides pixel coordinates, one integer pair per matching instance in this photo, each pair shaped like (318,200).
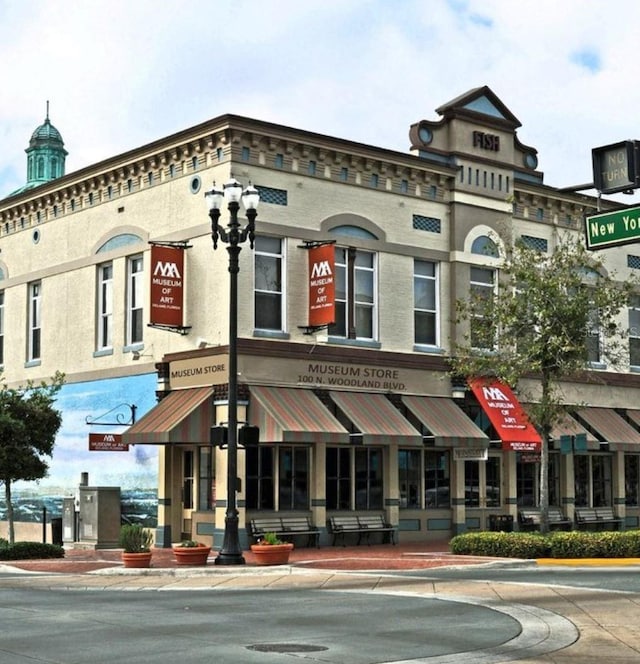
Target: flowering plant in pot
(136,542)
(270,550)
(191,552)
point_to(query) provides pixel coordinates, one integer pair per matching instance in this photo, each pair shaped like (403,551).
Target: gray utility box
(99,517)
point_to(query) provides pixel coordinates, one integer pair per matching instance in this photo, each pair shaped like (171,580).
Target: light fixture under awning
(506,414)
(376,419)
(183,416)
(446,422)
(292,415)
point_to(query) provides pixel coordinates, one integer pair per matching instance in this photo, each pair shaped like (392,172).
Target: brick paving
(416,555)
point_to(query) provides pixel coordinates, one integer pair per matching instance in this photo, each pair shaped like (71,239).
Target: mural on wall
(98,401)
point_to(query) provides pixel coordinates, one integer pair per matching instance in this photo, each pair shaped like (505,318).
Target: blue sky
(120,73)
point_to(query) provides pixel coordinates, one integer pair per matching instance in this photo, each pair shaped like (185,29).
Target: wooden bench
(597,518)
(529,519)
(363,526)
(286,527)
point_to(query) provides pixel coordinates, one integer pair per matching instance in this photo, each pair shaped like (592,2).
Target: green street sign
(613,228)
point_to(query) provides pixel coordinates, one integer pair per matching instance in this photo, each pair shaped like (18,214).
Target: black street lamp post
(233,236)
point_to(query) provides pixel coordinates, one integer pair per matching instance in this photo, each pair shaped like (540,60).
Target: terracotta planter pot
(191,555)
(272,554)
(137,560)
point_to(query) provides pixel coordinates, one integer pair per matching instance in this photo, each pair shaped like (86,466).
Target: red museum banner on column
(321,285)
(167,285)
(507,415)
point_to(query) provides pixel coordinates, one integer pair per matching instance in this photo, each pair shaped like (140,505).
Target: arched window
(120,241)
(41,167)
(54,167)
(485,246)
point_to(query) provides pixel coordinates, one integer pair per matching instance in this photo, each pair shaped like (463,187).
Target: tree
(29,424)
(550,317)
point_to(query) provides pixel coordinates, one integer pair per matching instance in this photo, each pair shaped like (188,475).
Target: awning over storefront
(376,418)
(611,428)
(568,426)
(506,414)
(447,423)
(183,416)
(291,415)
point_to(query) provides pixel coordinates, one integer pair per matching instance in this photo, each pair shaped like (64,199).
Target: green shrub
(500,545)
(574,544)
(3,543)
(135,539)
(30,551)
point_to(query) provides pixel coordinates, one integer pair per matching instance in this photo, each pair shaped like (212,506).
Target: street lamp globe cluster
(234,235)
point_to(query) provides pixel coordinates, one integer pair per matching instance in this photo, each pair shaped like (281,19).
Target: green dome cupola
(45,154)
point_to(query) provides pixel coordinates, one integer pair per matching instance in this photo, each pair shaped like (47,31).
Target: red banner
(167,285)
(107,442)
(506,415)
(321,285)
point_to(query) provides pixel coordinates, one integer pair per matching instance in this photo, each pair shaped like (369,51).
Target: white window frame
(435,281)
(280,256)
(482,285)
(105,306)
(34,350)
(634,325)
(135,298)
(1,328)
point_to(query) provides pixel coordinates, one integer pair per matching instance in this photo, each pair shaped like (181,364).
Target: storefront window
(492,485)
(368,466)
(187,480)
(338,478)
(259,468)
(409,474)
(631,479)
(293,478)
(528,482)
(206,482)
(472,483)
(592,480)
(437,479)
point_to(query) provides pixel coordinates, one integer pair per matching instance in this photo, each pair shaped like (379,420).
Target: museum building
(110,272)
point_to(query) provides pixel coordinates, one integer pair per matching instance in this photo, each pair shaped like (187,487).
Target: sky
(123,73)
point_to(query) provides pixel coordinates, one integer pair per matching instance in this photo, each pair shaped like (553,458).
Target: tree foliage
(29,424)
(548,317)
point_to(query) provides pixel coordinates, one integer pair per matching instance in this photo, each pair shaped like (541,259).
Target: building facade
(360,416)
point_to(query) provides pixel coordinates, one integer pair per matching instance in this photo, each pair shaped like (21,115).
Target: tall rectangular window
(425,302)
(206,486)
(293,478)
(35,323)
(368,478)
(409,480)
(437,479)
(260,465)
(268,285)
(105,305)
(355,294)
(338,478)
(1,328)
(135,294)
(632,480)
(482,286)
(634,331)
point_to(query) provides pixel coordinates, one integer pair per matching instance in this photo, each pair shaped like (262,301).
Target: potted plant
(269,550)
(136,542)
(190,552)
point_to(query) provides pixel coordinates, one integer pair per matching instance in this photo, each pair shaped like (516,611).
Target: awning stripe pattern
(445,421)
(291,415)
(614,430)
(183,416)
(376,418)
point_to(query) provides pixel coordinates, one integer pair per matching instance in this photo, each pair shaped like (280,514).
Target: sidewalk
(416,555)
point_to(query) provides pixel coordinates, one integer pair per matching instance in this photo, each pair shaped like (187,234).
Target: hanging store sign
(107,442)
(321,285)
(167,286)
(507,415)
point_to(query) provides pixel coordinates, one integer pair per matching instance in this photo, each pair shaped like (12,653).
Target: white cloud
(121,74)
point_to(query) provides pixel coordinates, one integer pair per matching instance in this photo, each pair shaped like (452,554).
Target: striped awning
(183,416)
(568,426)
(376,418)
(612,428)
(291,415)
(446,422)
